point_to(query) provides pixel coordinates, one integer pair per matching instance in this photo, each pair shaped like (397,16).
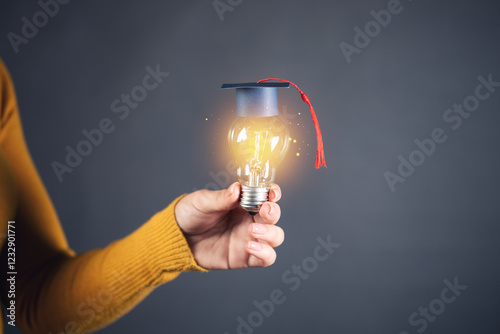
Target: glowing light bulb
(258,139)
(258,145)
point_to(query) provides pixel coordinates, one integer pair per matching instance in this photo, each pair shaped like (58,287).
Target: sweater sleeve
(56,289)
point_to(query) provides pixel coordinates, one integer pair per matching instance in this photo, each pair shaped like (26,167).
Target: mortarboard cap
(256,99)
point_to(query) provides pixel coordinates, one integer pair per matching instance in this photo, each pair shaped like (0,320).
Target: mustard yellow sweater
(57,290)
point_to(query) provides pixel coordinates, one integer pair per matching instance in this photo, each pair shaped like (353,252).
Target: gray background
(396,247)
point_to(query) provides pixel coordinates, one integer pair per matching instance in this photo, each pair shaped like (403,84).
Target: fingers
(269,213)
(271,234)
(208,201)
(261,255)
(267,235)
(274,193)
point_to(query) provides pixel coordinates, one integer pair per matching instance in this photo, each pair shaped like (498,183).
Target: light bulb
(258,145)
(258,140)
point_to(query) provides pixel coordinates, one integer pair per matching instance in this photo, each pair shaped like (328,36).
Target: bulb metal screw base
(252,198)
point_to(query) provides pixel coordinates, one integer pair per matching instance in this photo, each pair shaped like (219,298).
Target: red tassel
(320,153)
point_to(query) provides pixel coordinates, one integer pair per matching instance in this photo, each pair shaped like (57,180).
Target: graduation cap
(255,99)
(260,99)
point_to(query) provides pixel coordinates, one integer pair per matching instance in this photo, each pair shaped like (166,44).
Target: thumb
(219,200)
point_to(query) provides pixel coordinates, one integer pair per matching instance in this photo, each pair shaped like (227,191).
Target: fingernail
(254,246)
(272,195)
(259,229)
(230,191)
(268,208)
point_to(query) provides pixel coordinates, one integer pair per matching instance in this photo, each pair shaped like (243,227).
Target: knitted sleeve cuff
(154,254)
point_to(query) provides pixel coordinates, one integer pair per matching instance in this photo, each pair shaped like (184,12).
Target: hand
(222,235)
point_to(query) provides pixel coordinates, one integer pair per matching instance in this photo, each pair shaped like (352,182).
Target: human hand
(222,235)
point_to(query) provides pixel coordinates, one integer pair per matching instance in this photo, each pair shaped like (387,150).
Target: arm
(60,291)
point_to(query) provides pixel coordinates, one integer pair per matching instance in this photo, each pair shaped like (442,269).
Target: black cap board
(256,99)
